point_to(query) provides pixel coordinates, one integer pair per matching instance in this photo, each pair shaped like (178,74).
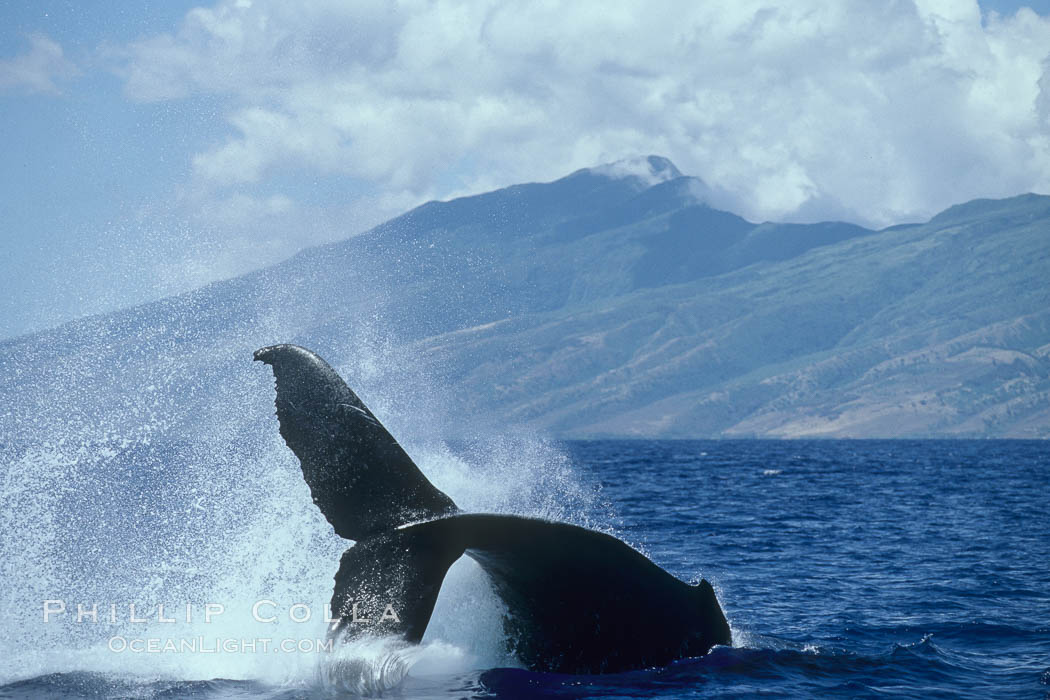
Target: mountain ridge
(602,304)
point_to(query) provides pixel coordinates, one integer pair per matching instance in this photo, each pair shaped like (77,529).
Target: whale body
(578,601)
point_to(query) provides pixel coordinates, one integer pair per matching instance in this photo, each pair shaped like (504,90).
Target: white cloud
(879,111)
(39,69)
(638,168)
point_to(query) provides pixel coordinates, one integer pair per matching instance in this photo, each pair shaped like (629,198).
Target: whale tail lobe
(359,476)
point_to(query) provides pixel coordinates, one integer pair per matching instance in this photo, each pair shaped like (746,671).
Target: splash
(136,536)
(149,471)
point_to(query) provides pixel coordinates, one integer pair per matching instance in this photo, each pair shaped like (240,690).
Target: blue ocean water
(846,569)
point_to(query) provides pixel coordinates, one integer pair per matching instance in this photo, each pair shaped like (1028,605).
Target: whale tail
(367,487)
(359,476)
(577,600)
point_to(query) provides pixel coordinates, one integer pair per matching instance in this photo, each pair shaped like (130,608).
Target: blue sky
(150,149)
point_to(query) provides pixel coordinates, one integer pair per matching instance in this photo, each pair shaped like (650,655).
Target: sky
(148,149)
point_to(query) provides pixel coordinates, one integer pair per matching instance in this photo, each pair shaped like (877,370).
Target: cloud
(879,112)
(39,69)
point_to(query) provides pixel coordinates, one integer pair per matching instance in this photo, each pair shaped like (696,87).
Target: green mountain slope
(610,302)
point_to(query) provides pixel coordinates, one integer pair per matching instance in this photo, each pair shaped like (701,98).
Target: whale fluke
(359,476)
(578,601)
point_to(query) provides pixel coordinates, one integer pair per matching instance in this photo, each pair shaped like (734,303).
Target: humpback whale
(578,601)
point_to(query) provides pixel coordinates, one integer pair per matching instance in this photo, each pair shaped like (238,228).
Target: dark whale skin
(578,600)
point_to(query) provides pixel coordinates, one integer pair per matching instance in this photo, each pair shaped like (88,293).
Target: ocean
(846,569)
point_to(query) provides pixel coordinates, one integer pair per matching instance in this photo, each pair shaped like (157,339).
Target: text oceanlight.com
(217,645)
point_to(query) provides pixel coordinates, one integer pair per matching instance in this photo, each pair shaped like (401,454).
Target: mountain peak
(651,170)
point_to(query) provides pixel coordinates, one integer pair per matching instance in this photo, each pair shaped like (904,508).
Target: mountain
(612,302)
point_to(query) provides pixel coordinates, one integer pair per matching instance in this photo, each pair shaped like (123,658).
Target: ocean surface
(846,569)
